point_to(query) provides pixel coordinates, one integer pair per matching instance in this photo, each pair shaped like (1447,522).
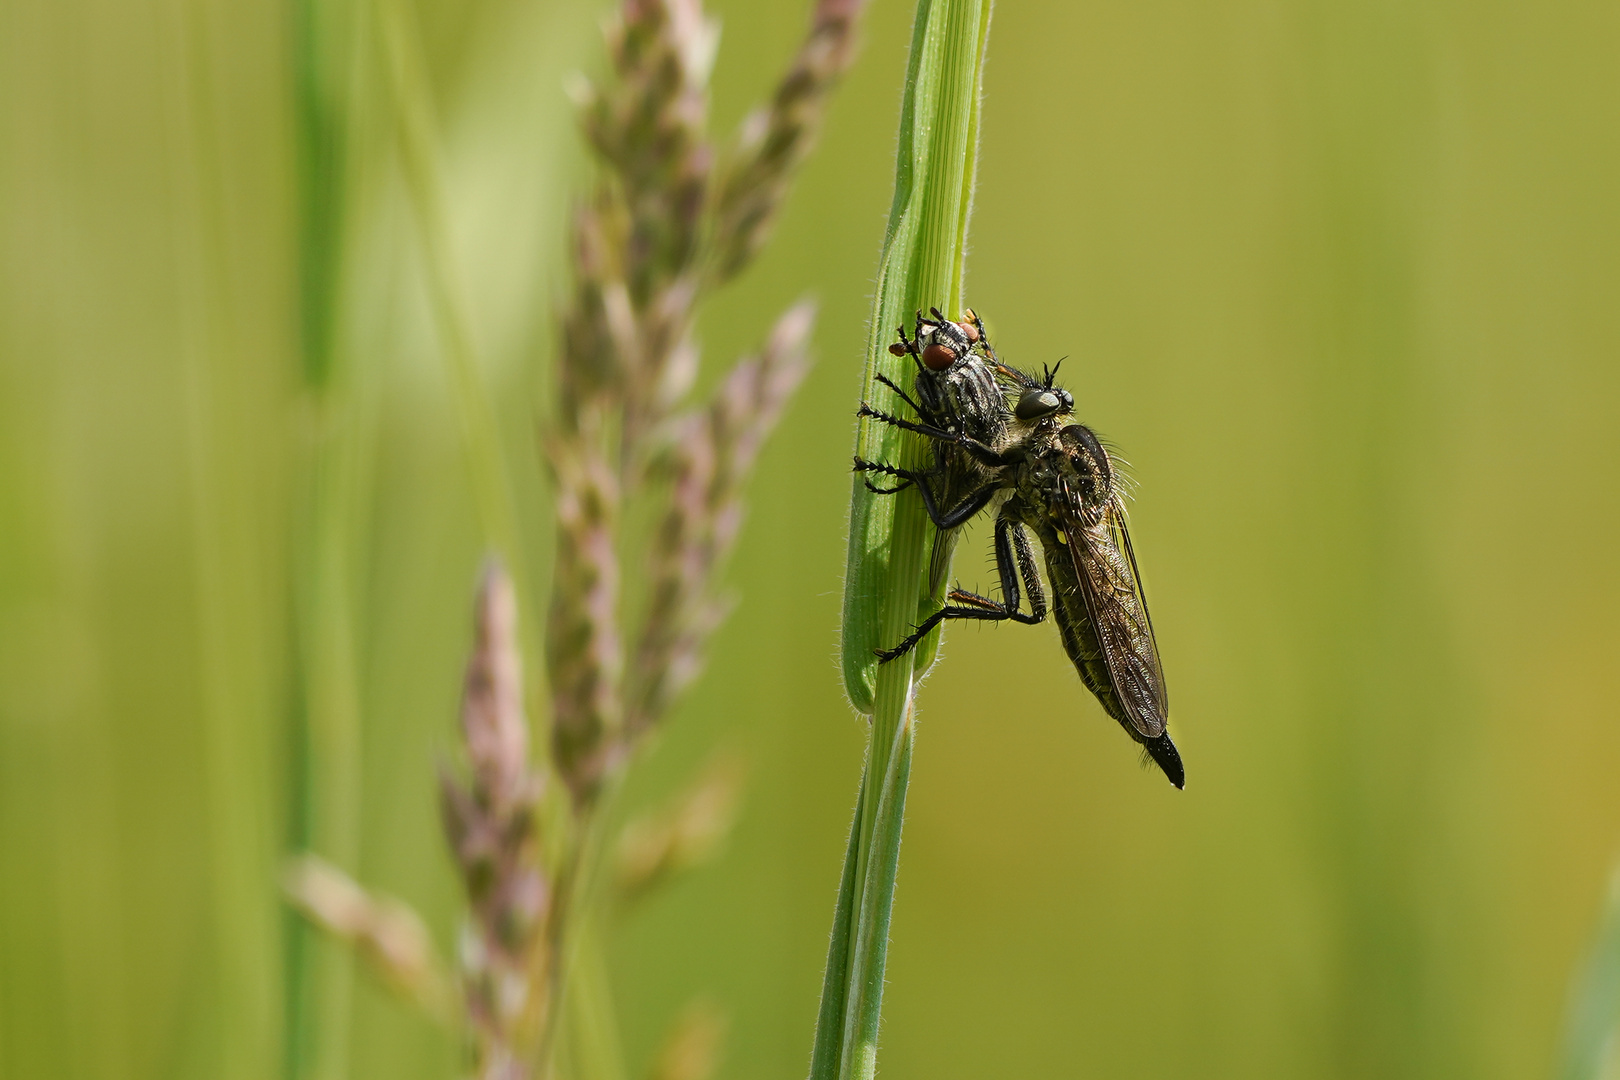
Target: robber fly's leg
(988,455)
(942,519)
(906,425)
(981,452)
(1012,542)
(906,477)
(884,379)
(1014,557)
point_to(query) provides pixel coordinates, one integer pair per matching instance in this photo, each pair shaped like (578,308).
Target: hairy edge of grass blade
(1593,1025)
(885,591)
(835,992)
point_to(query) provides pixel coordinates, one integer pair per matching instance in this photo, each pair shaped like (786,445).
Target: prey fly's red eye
(938,357)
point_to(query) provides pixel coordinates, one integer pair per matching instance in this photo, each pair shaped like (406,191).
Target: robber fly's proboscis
(1022,452)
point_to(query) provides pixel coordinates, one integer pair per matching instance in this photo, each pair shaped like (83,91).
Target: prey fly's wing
(1110,588)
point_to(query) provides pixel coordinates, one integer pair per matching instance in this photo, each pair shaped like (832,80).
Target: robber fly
(1056,480)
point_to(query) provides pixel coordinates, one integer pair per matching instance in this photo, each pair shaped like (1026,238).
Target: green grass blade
(1594,1018)
(870,945)
(326,797)
(835,986)
(411,105)
(225,465)
(885,588)
(921,267)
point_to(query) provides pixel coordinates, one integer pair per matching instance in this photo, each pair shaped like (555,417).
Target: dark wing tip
(1164,755)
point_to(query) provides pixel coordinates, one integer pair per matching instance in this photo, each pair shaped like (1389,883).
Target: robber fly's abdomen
(1074,625)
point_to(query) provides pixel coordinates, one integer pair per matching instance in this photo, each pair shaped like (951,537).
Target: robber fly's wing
(1122,540)
(1111,588)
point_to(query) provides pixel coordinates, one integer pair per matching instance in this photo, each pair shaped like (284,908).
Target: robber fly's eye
(1065,400)
(1039,402)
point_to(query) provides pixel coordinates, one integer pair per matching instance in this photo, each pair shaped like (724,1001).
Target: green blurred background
(1343,280)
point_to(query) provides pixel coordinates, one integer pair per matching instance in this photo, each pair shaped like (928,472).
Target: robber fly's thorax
(1065,472)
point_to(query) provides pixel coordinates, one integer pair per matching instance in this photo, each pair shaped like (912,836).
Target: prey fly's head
(939,343)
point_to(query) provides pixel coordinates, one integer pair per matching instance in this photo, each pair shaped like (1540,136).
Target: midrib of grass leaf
(885,587)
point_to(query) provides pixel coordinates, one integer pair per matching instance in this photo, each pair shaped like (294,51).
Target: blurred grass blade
(889,539)
(594,1042)
(1594,1016)
(327,764)
(411,103)
(224,464)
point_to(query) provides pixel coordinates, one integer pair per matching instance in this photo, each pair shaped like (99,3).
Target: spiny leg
(984,336)
(1014,556)
(980,452)
(929,430)
(942,519)
(908,347)
(886,381)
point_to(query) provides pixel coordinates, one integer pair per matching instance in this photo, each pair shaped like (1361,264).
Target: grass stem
(886,586)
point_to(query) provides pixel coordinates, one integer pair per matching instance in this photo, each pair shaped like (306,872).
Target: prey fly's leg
(942,519)
(1014,557)
(908,347)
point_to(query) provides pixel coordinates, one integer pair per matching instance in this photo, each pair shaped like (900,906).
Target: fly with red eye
(962,408)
